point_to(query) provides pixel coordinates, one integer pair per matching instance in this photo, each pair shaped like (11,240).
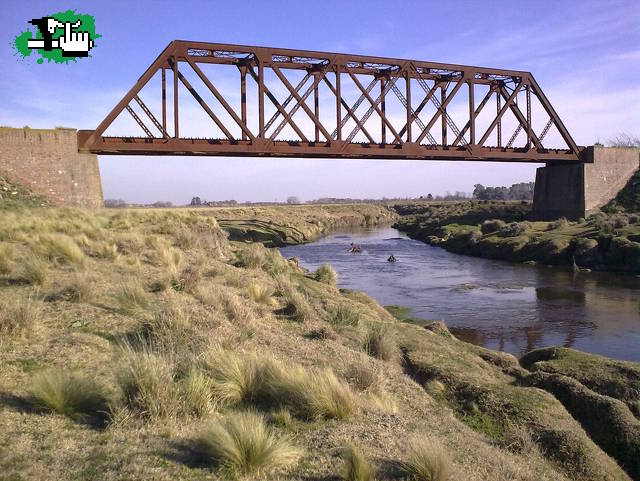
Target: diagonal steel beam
(425,101)
(486,98)
(204,105)
(440,110)
(286,102)
(275,102)
(521,119)
(220,98)
(374,104)
(499,115)
(354,107)
(152,117)
(350,112)
(291,113)
(140,122)
(301,102)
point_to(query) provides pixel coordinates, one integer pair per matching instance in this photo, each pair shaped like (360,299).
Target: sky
(585,56)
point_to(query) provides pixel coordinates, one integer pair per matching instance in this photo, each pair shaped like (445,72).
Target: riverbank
(500,230)
(138,343)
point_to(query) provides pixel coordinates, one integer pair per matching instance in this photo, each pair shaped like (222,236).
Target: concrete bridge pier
(573,190)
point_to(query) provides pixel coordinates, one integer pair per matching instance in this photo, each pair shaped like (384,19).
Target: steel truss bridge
(424,93)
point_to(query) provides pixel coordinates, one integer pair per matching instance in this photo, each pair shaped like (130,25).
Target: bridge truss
(429,98)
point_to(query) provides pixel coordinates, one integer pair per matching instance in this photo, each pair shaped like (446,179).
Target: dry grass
(379,343)
(426,460)
(235,378)
(20,317)
(327,275)
(197,397)
(345,315)
(252,256)
(7,256)
(296,304)
(243,444)
(68,393)
(34,270)
(262,294)
(362,376)
(356,466)
(80,289)
(60,249)
(132,298)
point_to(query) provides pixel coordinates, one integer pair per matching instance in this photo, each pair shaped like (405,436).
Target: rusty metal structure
(347,129)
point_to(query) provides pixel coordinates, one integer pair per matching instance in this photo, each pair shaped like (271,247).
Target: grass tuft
(7,255)
(19,318)
(427,461)
(261,294)
(132,298)
(356,466)
(345,315)
(68,393)
(243,443)
(34,270)
(61,249)
(327,275)
(80,289)
(378,343)
(197,399)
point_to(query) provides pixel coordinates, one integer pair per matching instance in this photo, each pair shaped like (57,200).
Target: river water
(499,305)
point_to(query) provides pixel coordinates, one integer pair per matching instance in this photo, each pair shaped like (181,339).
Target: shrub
(345,315)
(20,317)
(146,380)
(489,226)
(261,294)
(7,255)
(34,270)
(427,461)
(68,393)
(132,298)
(326,274)
(356,465)
(620,221)
(243,443)
(515,229)
(379,344)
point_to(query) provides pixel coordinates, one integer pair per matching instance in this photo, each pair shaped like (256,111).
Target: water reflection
(499,305)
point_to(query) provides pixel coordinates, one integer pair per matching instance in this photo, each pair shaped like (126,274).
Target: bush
(243,443)
(427,461)
(68,393)
(379,344)
(515,229)
(34,270)
(356,465)
(7,254)
(326,274)
(132,298)
(20,317)
(489,226)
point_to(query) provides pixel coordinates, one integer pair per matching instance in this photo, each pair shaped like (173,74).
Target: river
(496,304)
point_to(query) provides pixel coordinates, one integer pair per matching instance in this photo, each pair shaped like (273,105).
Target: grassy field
(499,230)
(145,344)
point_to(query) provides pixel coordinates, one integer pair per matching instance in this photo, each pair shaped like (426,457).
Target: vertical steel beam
(261,99)
(472,114)
(409,116)
(443,97)
(528,116)
(383,110)
(243,99)
(164,100)
(175,97)
(316,104)
(499,124)
(338,104)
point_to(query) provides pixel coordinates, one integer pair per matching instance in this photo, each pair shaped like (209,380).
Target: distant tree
(429,196)
(292,199)
(521,191)
(114,203)
(196,201)
(624,140)
(162,204)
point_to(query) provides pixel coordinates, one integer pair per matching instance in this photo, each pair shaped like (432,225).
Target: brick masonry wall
(48,163)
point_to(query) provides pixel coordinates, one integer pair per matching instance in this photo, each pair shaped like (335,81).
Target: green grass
(345,315)
(243,444)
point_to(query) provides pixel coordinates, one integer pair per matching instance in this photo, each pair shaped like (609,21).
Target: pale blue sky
(585,55)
